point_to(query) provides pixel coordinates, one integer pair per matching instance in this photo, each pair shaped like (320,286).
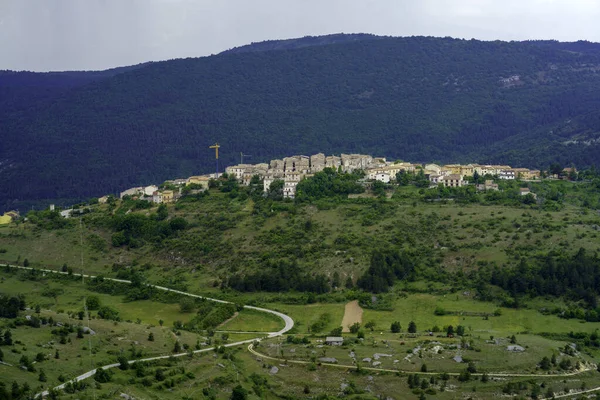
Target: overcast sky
(43,35)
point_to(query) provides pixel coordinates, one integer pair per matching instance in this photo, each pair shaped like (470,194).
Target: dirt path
(352,313)
(227,320)
(591,367)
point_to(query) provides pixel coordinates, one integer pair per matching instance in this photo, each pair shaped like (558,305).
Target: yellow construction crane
(216,147)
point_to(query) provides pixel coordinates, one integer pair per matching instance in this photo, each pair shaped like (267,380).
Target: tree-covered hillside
(419,99)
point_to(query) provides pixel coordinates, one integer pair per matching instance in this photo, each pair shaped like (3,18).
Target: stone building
(352,162)
(317,163)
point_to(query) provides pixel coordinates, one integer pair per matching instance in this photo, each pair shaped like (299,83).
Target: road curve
(289,324)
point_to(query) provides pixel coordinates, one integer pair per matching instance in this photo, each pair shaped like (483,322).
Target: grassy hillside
(226,234)
(419,99)
(480,265)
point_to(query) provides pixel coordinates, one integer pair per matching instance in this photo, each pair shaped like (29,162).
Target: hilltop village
(291,170)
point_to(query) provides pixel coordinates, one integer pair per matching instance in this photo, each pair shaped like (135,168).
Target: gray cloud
(44,35)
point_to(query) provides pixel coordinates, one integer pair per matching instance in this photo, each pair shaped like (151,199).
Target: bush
(355,327)
(102,375)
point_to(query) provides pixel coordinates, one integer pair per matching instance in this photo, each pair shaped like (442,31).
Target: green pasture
(306,315)
(253,321)
(149,312)
(421,307)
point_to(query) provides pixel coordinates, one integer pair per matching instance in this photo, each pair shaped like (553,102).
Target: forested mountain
(22,89)
(418,99)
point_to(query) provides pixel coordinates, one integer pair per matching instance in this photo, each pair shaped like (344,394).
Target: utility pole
(216,147)
(242,155)
(81,246)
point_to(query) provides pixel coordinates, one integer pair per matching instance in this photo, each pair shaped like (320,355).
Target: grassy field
(306,315)
(111,339)
(148,312)
(420,308)
(406,353)
(188,377)
(76,356)
(191,377)
(253,321)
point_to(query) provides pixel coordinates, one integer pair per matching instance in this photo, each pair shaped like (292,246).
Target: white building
(507,174)
(334,340)
(157,197)
(380,176)
(149,190)
(238,170)
(432,169)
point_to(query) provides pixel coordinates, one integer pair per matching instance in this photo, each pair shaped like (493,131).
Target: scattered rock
(436,349)
(292,350)
(516,348)
(367,359)
(221,365)
(458,358)
(90,331)
(343,386)
(126,396)
(370,378)
(274,370)
(377,363)
(376,356)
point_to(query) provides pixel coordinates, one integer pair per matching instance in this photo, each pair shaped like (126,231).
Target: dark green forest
(419,99)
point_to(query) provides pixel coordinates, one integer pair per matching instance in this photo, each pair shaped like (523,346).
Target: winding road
(289,324)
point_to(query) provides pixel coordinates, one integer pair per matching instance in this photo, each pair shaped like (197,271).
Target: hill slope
(420,99)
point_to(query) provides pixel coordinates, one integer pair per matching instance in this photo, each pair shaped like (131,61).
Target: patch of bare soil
(352,313)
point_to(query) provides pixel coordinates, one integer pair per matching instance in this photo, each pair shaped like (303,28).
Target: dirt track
(352,313)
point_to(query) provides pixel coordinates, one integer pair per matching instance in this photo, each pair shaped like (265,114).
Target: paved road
(289,324)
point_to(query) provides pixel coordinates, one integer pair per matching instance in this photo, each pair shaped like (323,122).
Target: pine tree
(412,327)
(7,341)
